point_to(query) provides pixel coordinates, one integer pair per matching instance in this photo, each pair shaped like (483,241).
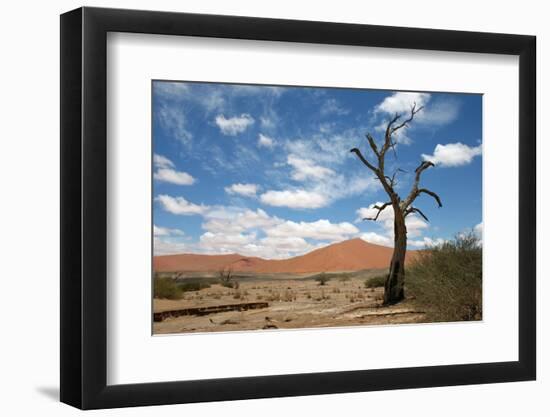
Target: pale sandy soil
(292,304)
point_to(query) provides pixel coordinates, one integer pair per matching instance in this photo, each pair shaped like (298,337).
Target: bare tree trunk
(394,288)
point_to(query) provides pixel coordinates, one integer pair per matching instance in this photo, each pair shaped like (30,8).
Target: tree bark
(394,290)
(394,287)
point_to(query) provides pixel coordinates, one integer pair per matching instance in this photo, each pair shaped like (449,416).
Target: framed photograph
(259,208)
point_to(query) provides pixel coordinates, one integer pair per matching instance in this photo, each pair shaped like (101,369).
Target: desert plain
(339,285)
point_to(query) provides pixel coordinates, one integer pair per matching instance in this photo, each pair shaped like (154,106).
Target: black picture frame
(84,207)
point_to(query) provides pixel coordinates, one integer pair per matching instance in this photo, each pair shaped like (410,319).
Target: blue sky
(266,171)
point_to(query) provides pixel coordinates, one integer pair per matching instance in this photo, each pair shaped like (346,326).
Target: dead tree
(226,277)
(394,286)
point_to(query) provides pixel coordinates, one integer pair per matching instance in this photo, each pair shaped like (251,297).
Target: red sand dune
(350,255)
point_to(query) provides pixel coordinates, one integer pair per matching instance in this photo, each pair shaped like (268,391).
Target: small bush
(227,279)
(375,282)
(193,286)
(166,288)
(322,279)
(233,284)
(289,296)
(446,280)
(344,277)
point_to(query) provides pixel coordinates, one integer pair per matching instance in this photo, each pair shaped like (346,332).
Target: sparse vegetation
(166,288)
(344,277)
(377,281)
(446,280)
(192,286)
(322,279)
(226,278)
(289,296)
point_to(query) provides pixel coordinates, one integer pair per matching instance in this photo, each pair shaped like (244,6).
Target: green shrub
(193,286)
(446,280)
(322,279)
(166,288)
(375,282)
(227,279)
(344,277)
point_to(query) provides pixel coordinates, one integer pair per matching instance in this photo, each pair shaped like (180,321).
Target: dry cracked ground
(291,304)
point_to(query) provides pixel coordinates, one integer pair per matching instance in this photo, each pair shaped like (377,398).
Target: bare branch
(380,209)
(414,190)
(367,163)
(392,179)
(432,194)
(414,110)
(372,144)
(415,210)
(390,124)
(424,165)
(391,129)
(387,136)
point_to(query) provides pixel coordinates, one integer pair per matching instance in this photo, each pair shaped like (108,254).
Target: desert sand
(285,293)
(299,303)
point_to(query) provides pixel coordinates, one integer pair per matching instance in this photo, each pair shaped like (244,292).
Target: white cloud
(167,247)
(166,172)
(170,90)
(338,186)
(401,102)
(436,112)
(223,219)
(332,106)
(425,242)
(174,177)
(377,238)
(212,99)
(439,112)
(415,225)
(305,169)
(319,230)
(282,238)
(160,161)
(174,120)
(316,162)
(478,232)
(179,205)
(269,121)
(453,154)
(286,244)
(234,125)
(478,229)
(226,242)
(326,147)
(165,231)
(247,190)
(300,199)
(265,141)
(370,213)
(250,245)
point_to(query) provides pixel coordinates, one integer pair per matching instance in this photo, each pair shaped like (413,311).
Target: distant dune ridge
(349,255)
